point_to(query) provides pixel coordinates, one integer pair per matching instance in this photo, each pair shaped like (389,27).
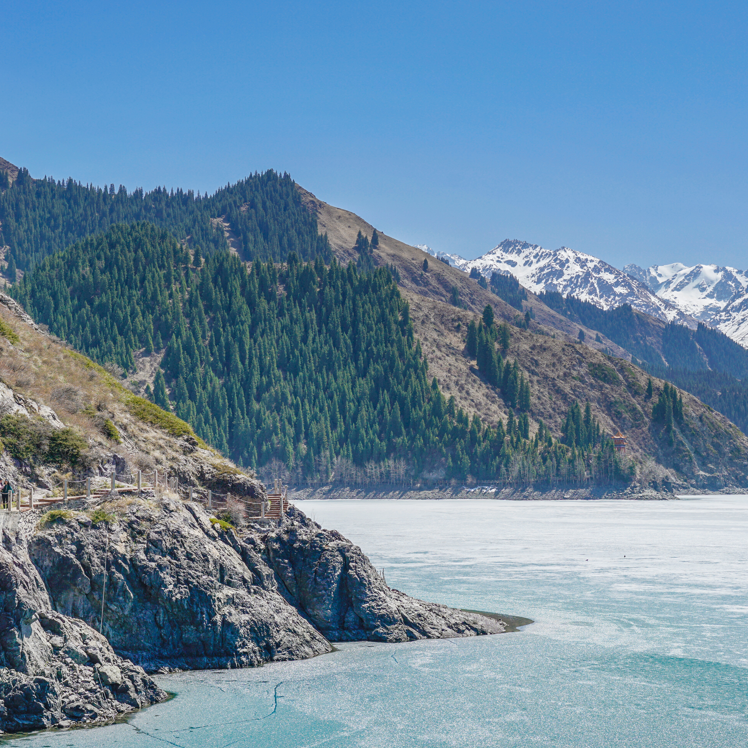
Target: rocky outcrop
(336,586)
(56,670)
(177,590)
(170,587)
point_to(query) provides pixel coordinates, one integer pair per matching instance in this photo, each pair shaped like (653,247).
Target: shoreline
(513,623)
(487,492)
(332,492)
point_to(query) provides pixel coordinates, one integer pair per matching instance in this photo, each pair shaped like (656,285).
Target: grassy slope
(84,396)
(559,368)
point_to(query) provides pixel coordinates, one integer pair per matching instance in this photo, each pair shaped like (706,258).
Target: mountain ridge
(714,294)
(247,382)
(674,293)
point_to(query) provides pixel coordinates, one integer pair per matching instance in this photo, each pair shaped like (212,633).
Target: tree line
(40,217)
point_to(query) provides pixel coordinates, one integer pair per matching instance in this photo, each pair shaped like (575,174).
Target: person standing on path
(6,492)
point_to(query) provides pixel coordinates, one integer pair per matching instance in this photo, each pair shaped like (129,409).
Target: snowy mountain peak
(712,294)
(674,292)
(574,273)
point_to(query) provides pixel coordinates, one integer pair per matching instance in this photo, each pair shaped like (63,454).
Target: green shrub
(604,373)
(56,515)
(8,332)
(24,438)
(99,515)
(222,523)
(110,431)
(65,447)
(34,440)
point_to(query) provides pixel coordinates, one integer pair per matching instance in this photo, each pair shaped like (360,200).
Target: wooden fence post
(65,490)
(140,482)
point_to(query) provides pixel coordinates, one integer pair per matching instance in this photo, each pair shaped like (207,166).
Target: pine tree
(159,392)
(488,316)
(525,399)
(425,266)
(472,339)
(504,337)
(365,254)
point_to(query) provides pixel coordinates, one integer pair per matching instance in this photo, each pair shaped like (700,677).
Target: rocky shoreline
(169,588)
(506,493)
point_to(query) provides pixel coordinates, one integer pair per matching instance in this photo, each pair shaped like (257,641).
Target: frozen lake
(640,638)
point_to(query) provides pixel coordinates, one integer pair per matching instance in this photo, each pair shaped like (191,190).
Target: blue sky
(615,129)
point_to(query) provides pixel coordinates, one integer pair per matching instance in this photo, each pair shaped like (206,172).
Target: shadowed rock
(56,670)
(335,585)
(178,590)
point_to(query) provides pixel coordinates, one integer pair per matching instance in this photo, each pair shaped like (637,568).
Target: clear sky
(618,129)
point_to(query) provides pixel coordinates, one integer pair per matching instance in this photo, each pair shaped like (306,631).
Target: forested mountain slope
(703,361)
(62,414)
(561,371)
(311,368)
(341,371)
(263,214)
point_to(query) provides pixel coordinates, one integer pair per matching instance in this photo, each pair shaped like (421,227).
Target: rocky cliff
(55,670)
(170,587)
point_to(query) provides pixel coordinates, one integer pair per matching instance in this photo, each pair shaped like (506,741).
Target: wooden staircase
(277,502)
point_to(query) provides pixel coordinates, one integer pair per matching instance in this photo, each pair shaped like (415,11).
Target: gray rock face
(55,670)
(179,591)
(335,585)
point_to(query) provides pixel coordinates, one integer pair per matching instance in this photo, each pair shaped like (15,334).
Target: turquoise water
(640,639)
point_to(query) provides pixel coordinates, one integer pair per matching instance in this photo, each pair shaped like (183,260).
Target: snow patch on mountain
(454,260)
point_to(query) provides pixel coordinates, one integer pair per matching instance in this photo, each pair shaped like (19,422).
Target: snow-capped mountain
(575,274)
(454,260)
(715,295)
